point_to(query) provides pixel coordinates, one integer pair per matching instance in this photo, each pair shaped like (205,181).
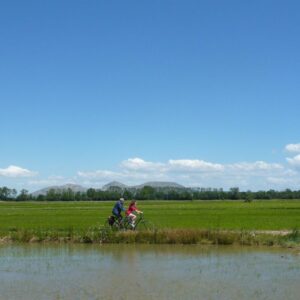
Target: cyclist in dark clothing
(118,208)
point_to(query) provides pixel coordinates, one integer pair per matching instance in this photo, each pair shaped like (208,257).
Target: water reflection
(148,272)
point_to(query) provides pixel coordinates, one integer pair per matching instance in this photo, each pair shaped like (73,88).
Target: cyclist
(118,208)
(130,212)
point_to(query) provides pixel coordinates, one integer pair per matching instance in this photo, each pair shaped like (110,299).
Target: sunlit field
(231,215)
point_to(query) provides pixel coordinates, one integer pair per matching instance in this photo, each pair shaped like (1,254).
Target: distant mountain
(114,184)
(109,186)
(74,187)
(160,184)
(154,184)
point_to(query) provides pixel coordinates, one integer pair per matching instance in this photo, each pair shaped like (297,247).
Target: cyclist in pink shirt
(130,212)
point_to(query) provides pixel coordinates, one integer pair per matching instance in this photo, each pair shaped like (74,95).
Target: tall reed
(162,236)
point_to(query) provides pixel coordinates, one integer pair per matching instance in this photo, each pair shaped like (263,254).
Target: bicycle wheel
(145,225)
(124,224)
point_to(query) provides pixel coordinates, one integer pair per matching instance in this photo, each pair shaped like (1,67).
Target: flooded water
(147,272)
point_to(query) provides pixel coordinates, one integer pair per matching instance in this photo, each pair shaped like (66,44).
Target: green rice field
(211,215)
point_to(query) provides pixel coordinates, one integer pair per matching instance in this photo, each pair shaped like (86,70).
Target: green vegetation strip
(195,221)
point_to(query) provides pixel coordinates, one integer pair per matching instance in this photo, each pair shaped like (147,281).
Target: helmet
(122,199)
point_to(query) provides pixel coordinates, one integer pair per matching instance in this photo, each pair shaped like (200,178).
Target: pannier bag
(111,220)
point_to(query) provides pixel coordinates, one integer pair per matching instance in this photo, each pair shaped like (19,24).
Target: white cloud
(51,180)
(285,182)
(278,180)
(295,161)
(194,165)
(255,166)
(290,173)
(138,164)
(193,172)
(15,171)
(293,147)
(100,177)
(98,174)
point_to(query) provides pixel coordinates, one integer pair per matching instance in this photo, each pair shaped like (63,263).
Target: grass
(159,236)
(177,221)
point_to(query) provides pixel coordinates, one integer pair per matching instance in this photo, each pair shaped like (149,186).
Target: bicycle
(142,224)
(116,224)
(113,224)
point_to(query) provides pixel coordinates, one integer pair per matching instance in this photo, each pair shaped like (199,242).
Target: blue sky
(205,93)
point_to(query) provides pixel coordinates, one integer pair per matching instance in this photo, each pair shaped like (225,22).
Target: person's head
(133,202)
(122,200)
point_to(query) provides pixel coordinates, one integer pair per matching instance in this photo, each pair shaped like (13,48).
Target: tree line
(148,193)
